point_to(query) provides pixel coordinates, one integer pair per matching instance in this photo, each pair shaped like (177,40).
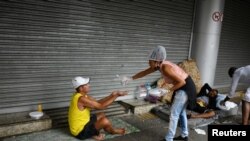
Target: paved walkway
(154,129)
(151,128)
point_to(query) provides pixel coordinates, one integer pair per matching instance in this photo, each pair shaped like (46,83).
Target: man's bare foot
(99,137)
(120,131)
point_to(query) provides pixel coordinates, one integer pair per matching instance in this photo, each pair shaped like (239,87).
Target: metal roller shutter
(235,44)
(45,43)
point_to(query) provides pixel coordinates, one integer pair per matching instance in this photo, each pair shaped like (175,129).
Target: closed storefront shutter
(235,44)
(45,43)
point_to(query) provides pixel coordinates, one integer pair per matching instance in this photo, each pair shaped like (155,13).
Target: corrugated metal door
(234,47)
(45,43)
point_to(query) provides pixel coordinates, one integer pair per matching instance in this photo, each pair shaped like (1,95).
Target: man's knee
(104,120)
(100,115)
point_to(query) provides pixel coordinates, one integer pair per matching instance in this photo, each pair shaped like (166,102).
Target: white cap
(158,54)
(78,81)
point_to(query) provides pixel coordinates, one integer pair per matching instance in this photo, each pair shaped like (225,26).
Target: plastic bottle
(141,91)
(148,87)
(39,108)
(138,92)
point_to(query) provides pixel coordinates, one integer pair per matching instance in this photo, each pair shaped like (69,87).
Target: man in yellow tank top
(82,123)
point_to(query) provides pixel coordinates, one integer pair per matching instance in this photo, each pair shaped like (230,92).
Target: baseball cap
(78,81)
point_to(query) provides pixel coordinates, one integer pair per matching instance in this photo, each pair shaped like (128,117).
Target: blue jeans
(178,110)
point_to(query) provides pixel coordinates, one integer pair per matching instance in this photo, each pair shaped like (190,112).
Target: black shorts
(89,129)
(199,109)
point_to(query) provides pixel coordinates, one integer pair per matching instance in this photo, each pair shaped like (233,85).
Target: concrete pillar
(206,37)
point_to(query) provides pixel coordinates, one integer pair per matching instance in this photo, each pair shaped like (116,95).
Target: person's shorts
(200,109)
(89,129)
(246,97)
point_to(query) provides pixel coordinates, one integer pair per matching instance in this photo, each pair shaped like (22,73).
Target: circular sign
(217,16)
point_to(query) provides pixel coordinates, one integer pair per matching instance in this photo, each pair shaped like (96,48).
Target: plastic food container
(157,92)
(36,115)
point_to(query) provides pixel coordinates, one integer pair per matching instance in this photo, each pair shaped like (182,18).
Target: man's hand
(125,80)
(119,93)
(224,101)
(223,106)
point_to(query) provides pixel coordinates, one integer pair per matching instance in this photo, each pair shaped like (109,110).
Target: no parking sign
(217,16)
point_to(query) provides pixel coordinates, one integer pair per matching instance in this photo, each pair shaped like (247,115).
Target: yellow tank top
(77,119)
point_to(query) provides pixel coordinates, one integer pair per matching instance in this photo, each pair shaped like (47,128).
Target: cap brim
(88,80)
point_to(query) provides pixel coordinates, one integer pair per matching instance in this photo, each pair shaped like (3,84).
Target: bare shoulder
(87,101)
(167,68)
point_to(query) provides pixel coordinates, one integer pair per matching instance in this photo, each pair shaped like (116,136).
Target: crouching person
(82,123)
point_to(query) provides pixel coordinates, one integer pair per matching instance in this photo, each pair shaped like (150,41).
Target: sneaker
(181,138)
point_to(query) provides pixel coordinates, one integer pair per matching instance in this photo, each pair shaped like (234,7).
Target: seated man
(82,123)
(207,102)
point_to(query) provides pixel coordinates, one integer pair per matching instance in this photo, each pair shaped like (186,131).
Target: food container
(141,92)
(36,115)
(232,111)
(157,92)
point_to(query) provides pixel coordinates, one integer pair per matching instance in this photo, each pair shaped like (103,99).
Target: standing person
(183,87)
(82,123)
(241,75)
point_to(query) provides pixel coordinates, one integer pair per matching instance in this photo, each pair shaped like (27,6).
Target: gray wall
(45,43)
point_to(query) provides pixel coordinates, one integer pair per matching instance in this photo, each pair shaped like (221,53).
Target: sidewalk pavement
(151,128)
(155,129)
